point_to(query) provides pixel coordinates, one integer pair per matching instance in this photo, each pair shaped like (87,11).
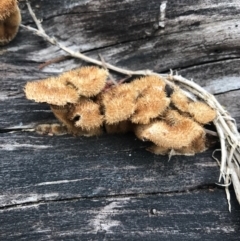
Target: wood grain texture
(110,188)
(92,167)
(146,217)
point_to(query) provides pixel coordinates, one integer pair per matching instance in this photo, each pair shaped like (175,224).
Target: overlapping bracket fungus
(10,19)
(79,99)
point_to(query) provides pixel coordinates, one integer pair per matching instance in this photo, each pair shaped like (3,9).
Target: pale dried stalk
(228,135)
(225,124)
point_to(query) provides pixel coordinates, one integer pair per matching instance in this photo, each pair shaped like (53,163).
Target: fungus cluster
(154,111)
(10,19)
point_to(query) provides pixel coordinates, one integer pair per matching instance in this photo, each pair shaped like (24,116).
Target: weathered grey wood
(230,101)
(106,188)
(50,168)
(123,25)
(148,217)
(216,77)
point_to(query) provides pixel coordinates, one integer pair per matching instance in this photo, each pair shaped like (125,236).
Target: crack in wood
(225,92)
(210,186)
(201,64)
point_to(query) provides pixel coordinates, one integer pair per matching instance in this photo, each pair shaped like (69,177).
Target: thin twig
(212,133)
(105,67)
(37,22)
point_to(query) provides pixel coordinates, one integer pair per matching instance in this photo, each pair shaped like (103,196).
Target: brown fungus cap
(7,7)
(86,115)
(176,136)
(201,112)
(10,19)
(51,91)
(119,103)
(68,87)
(151,103)
(180,100)
(88,81)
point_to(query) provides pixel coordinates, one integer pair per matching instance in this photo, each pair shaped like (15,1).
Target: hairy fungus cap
(151,103)
(10,19)
(198,145)
(51,91)
(171,136)
(143,83)
(201,112)
(119,103)
(62,114)
(88,81)
(180,100)
(6,8)
(173,117)
(86,114)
